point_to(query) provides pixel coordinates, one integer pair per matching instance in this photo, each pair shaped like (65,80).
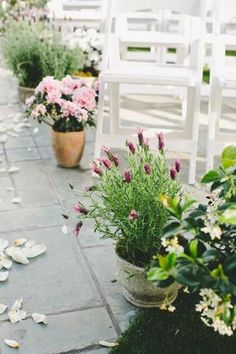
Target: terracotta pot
(141,292)
(24,93)
(68,148)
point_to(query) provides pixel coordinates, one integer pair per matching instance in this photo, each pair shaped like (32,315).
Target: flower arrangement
(199,247)
(68,105)
(90,41)
(125,204)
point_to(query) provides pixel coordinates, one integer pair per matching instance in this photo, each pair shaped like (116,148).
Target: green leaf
(211,176)
(229,216)
(157,274)
(193,247)
(228,157)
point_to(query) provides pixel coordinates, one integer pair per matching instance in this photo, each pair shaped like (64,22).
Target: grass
(181,332)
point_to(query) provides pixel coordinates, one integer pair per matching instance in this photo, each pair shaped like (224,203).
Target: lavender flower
(140,137)
(133,215)
(178,166)
(80,209)
(107,163)
(77,228)
(97,170)
(115,159)
(127,177)
(147,169)
(161,141)
(173,173)
(131,146)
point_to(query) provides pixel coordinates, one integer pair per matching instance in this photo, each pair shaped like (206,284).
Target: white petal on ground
(34,251)
(13,169)
(10,189)
(3,170)
(5,262)
(11,250)
(36,130)
(104,343)
(3,139)
(19,257)
(3,276)
(64,230)
(16,200)
(17,304)
(16,315)
(20,242)
(3,244)
(3,308)
(39,318)
(11,343)
(30,243)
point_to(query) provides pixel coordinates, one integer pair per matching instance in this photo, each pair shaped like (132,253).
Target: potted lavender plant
(126,207)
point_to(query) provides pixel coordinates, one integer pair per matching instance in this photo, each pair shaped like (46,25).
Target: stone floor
(73,283)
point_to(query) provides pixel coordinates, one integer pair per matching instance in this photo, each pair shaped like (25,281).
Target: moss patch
(181,332)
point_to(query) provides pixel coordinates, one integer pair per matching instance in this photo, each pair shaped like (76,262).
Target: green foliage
(112,200)
(182,332)
(203,240)
(33,52)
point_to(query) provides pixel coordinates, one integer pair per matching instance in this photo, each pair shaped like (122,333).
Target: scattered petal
(19,257)
(16,315)
(3,139)
(3,308)
(36,130)
(11,343)
(30,243)
(17,304)
(3,244)
(5,262)
(16,200)
(3,276)
(3,170)
(10,189)
(13,169)
(34,251)
(64,230)
(29,149)
(20,242)
(104,343)
(39,318)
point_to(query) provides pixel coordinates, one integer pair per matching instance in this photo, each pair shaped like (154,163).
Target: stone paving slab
(30,218)
(64,333)
(56,281)
(25,154)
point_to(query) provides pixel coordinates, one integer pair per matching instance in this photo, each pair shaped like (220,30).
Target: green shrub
(33,52)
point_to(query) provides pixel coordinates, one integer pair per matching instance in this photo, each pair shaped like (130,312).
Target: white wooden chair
(223,78)
(116,72)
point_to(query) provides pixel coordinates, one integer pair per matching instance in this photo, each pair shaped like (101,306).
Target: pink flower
(69,85)
(173,173)
(40,109)
(127,176)
(131,146)
(97,170)
(47,85)
(29,101)
(85,97)
(133,215)
(83,115)
(177,166)
(69,109)
(79,209)
(147,169)
(161,142)
(115,159)
(53,97)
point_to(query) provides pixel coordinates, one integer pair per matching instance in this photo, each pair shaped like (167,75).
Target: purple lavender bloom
(140,137)
(127,177)
(131,147)
(107,163)
(161,141)
(173,173)
(147,169)
(178,166)
(77,228)
(96,169)
(80,209)
(115,159)
(133,215)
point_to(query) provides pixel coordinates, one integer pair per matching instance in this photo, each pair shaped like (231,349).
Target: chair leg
(114,94)
(98,142)
(193,166)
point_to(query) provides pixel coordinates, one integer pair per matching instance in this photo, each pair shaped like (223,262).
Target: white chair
(116,71)
(223,78)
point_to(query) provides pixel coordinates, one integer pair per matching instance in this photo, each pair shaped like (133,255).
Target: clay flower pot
(68,148)
(141,292)
(24,93)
